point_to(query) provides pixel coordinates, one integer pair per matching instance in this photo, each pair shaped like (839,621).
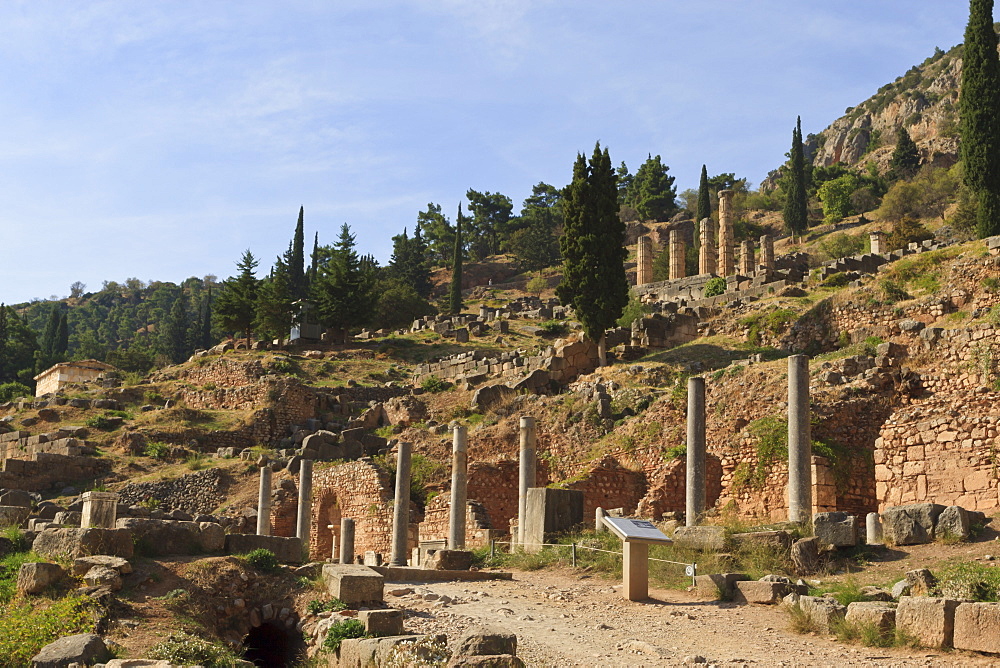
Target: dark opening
(272,645)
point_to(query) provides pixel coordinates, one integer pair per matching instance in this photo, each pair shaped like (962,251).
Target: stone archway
(325,526)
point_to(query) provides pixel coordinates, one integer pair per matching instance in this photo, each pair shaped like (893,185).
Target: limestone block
(486,642)
(953,522)
(449,560)
(287,550)
(382,622)
(75,543)
(84,649)
(977,627)
(838,529)
(912,524)
(701,538)
(168,537)
(353,583)
(921,582)
(760,592)
(69,518)
(16,497)
(13,516)
(805,555)
(490,395)
(930,620)
(363,652)
(102,576)
(822,611)
(718,585)
(34,577)
(877,613)
(84,564)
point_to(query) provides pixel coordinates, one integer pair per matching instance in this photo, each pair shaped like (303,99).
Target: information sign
(638,531)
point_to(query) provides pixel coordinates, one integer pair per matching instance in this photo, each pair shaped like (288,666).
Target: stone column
(873,529)
(877,242)
(767,252)
(747,265)
(264,503)
(459,482)
(695,506)
(727,259)
(799,445)
(527,477)
(347,540)
(706,256)
(305,498)
(100,510)
(401,507)
(599,516)
(644,260)
(677,269)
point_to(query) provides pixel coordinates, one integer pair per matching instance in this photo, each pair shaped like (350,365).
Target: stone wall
(437,519)
(47,471)
(197,493)
(610,485)
(495,486)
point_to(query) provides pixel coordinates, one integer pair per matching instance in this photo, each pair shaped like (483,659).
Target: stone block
(365,652)
(718,585)
(877,613)
(34,577)
(75,543)
(13,516)
(449,560)
(157,537)
(977,627)
(382,622)
(486,642)
(486,661)
(69,518)
(838,529)
(761,592)
(777,540)
(912,524)
(701,538)
(930,620)
(490,395)
(16,497)
(805,555)
(102,576)
(287,550)
(84,564)
(822,611)
(953,523)
(550,511)
(84,649)
(353,583)
(99,510)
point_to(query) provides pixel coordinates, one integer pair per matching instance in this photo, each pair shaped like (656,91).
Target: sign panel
(637,531)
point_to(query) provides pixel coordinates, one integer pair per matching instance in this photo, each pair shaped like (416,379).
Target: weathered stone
(718,585)
(84,564)
(486,661)
(483,642)
(922,582)
(353,583)
(900,589)
(102,576)
(287,550)
(822,611)
(363,652)
(838,529)
(875,594)
(68,518)
(761,592)
(877,613)
(449,560)
(805,555)
(977,627)
(167,537)
(13,516)
(912,524)
(490,395)
(930,620)
(84,649)
(701,538)
(34,577)
(382,622)
(16,497)
(75,543)
(953,522)
(777,540)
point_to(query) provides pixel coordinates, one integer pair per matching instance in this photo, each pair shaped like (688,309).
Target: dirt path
(565,619)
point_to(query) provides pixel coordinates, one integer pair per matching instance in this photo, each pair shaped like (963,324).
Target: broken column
(264,503)
(767,252)
(527,473)
(346,540)
(727,259)
(799,445)
(644,260)
(401,507)
(599,516)
(706,256)
(695,505)
(747,265)
(100,510)
(873,529)
(305,498)
(877,240)
(459,482)
(677,269)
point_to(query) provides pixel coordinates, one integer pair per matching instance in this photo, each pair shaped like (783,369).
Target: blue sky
(160,139)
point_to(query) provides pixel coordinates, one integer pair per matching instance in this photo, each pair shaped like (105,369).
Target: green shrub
(333,605)
(433,384)
(634,310)
(26,628)
(554,328)
(837,280)
(102,422)
(263,560)
(969,580)
(715,287)
(676,452)
(156,450)
(341,631)
(186,649)
(14,390)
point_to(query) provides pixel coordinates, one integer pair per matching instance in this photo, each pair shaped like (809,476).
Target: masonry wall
(437,522)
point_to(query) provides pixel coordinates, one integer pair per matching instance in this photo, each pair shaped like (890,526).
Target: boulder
(449,560)
(930,620)
(358,652)
(35,577)
(922,582)
(718,585)
(953,522)
(158,537)
(805,555)
(877,613)
(763,592)
(876,594)
(912,524)
(353,583)
(16,497)
(405,410)
(822,611)
(701,538)
(75,543)
(382,622)
(976,627)
(102,576)
(84,564)
(490,395)
(838,529)
(486,642)
(486,661)
(777,540)
(84,649)
(13,516)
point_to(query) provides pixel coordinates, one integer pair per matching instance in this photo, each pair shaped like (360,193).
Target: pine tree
(205,329)
(624,182)
(3,342)
(704,199)
(905,160)
(796,211)
(652,193)
(173,332)
(48,347)
(235,306)
(296,260)
(409,262)
(979,111)
(273,310)
(594,281)
(343,290)
(455,295)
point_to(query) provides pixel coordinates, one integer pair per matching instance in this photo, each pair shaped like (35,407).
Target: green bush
(263,560)
(837,280)
(633,311)
(968,580)
(341,631)
(14,390)
(103,422)
(554,328)
(715,287)
(841,245)
(433,384)
(26,628)
(333,605)
(157,450)
(186,649)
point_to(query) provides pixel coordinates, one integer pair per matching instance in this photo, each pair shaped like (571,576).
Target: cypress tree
(594,281)
(704,199)
(796,211)
(296,260)
(315,262)
(979,110)
(455,296)
(3,342)
(905,160)
(49,335)
(61,344)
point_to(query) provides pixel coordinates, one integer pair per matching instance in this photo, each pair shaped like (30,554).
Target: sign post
(636,537)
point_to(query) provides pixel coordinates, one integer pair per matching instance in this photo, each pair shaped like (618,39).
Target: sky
(159,140)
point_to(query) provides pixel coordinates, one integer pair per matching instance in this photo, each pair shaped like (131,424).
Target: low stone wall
(46,471)
(437,522)
(197,493)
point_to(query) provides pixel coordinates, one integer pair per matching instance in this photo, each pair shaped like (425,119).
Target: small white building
(59,375)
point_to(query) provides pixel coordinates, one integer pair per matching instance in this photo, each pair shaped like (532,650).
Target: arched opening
(271,645)
(325,527)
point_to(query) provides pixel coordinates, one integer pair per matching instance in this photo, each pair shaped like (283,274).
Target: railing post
(574,555)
